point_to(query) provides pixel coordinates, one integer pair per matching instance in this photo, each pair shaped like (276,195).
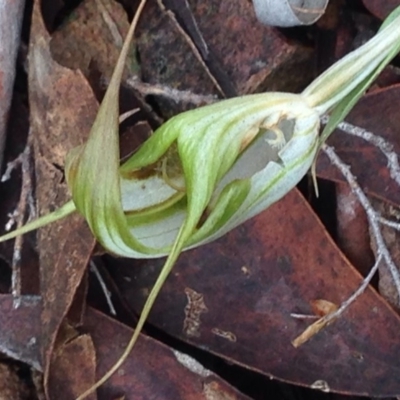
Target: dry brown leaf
(12,386)
(253,280)
(63,108)
(387,287)
(20,329)
(92,37)
(11,14)
(73,369)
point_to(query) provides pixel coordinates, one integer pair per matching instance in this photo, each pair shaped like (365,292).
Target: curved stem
(63,211)
(170,262)
(345,75)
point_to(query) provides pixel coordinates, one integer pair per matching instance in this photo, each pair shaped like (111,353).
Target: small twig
(383,145)
(383,253)
(11,166)
(192,46)
(12,219)
(179,96)
(107,293)
(391,224)
(372,215)
(112,26)
(303,316)
(327,319)
(25,201)
(124,116)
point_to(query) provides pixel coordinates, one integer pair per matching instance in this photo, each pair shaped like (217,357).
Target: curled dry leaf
(11,14)
(287,13)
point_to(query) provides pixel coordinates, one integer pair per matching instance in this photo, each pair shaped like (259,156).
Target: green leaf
(341,110)
(358,67)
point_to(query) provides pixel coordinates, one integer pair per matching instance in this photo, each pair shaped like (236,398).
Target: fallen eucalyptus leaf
(11,15)
(285,13)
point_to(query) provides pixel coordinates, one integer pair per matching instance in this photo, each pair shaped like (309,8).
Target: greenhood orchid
(206,171)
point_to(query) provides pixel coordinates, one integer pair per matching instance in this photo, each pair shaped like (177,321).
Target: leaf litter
(355,322)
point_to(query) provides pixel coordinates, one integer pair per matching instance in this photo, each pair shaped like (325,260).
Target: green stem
(345,75)
(170,262)
(60,213)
